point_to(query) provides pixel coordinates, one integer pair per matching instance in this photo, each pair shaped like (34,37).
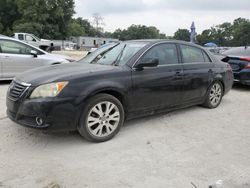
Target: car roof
(155,41)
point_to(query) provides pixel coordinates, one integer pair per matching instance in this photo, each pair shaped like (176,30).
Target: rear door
(16,58)
(160,86)
(198,73)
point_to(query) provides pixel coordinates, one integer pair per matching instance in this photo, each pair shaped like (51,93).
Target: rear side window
(192,54)
(166,53)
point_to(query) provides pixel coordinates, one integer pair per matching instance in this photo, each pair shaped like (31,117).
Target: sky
(166,15)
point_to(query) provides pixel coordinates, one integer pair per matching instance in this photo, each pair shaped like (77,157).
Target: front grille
(16,90)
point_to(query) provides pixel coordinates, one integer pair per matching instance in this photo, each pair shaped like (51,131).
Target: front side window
(12,47)
(191,54)
(165,53)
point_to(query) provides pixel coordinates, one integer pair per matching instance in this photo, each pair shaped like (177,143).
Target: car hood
(62,72)
(45,40)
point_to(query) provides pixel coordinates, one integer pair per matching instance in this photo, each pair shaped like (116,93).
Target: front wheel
(214,95)
(102,118)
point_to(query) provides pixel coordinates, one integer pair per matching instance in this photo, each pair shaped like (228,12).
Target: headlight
(48,90)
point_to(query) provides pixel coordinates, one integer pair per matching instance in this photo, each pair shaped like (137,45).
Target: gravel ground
(76,55)
(189,148)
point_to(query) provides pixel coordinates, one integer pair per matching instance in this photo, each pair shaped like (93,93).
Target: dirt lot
(189,148)
(76,55)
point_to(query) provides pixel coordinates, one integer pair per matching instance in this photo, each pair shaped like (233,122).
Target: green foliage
(89,29)
(45,18)
(8,15)
(241,33)
(182,34)
(75,29)
(227,34)
(138,32)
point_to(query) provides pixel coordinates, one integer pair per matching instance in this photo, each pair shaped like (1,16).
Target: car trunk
(237,63)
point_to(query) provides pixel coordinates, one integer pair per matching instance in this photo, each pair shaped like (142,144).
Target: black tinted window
(166,53)
(191,54)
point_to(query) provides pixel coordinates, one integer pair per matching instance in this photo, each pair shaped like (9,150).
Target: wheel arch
(110,91)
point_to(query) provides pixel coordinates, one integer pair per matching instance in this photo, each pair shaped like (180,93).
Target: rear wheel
(102,118)
(214,95)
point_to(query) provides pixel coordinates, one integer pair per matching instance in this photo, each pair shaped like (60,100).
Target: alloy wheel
(103,119)
(215,94)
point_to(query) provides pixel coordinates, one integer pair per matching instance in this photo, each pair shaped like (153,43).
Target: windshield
(89,58)
(119,54)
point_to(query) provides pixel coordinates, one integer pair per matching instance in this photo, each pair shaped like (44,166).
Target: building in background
(91,42)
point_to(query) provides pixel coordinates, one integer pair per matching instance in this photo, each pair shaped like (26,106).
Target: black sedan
(131,79)
(239,59)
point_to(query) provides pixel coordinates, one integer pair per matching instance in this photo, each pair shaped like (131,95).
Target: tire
(214,95)
(102,118)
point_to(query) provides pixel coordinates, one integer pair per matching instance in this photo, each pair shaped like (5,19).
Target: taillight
(248,66)
(245,59)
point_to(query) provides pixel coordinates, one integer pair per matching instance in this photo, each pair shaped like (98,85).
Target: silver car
(17,57)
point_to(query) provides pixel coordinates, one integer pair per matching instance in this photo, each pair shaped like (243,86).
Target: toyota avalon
(130,79)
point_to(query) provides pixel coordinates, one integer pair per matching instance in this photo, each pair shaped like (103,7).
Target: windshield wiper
(115,63)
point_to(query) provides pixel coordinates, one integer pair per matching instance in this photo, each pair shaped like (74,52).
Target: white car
(17,57)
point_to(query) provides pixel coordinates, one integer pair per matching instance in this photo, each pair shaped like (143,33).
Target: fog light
(39,121)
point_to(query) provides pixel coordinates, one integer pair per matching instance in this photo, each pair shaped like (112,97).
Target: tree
(89,29)
(241,34)
(227,34)
(46,18)
(182,34)
(75,29)
(98,23)
(8,15)
(138,32)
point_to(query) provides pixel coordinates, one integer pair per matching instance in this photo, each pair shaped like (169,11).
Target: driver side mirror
(147,62)
(34,53)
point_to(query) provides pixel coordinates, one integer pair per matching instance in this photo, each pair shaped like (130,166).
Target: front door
(160,86)
(16,58)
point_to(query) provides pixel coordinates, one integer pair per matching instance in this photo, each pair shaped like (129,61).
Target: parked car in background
(44,44)
(17,57)
(131,79)
(239,59)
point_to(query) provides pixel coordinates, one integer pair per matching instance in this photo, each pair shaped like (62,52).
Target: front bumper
(57,114)
(242,77)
